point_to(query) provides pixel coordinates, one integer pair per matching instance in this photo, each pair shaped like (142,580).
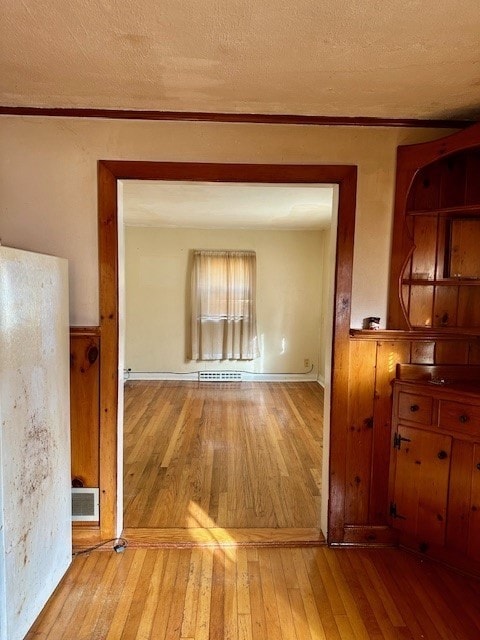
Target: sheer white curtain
(224,323)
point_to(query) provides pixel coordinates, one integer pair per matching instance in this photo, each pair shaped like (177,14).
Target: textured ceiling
(201,205)
(410,59)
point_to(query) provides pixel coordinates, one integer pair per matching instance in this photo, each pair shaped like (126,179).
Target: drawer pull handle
(478,466)
(441,455)
(463,418)
(414,407)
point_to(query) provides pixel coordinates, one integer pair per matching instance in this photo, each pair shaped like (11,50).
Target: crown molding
(243,118)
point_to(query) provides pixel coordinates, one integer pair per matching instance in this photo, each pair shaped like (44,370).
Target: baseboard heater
(219,376)
(85,504)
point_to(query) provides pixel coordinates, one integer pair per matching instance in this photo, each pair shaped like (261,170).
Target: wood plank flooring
(223,455)
(260,594)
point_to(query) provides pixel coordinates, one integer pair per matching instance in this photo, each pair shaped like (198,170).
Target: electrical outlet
(306,363)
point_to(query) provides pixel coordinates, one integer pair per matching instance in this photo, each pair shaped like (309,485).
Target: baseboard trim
(85,535)
(225,538)
(368,536)
(246,377)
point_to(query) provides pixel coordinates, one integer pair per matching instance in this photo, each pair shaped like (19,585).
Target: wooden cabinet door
(422,467)
(474,524)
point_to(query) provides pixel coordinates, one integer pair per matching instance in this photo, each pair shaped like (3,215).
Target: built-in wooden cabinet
(435,270)
(440,282)
(434,489)
(434,477)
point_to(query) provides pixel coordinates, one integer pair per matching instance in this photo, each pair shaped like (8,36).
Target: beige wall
(289,297)
(48,187)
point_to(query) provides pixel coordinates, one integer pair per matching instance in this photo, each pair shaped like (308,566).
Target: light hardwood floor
(260,594)
(233,456)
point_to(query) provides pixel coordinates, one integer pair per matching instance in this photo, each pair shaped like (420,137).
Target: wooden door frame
(109,173)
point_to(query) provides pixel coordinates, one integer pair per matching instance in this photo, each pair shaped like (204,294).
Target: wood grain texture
(222,455)
(421,484)
(360,431)
(108,301)
(109,172)
(84,405)
(435,178)
(222,537)
(389,354)
(279,594)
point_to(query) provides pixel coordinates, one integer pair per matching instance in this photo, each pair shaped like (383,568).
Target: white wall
(35,495)
(289,297)
(48,185)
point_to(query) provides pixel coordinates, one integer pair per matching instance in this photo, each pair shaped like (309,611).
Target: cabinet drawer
(459,416)
(415,408)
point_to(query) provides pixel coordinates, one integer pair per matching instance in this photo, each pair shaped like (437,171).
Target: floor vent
(219,376)
(85,504)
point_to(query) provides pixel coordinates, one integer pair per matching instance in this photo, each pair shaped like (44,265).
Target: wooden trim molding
(371,535)
(420,335)
(245,118)
(219,537)
(109,172)
(84,331)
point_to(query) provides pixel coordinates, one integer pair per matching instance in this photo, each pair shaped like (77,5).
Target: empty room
(259,403)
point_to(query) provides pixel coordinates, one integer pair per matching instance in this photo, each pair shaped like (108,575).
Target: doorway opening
(111,450)
(241,459)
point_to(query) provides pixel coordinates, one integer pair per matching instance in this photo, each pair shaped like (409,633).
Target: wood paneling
(472,191)
(469,307)
(452,181)
(445,306)
(84,405)
(421,306)
(359,431)
(425,194)
(388,355)
(424,257)
(464,242)
(460,493)
(451,352)
(474,352)
(422,352)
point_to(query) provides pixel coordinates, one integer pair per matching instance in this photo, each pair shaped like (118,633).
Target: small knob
(441,455)
(414,407)
(478,466)
(463,418)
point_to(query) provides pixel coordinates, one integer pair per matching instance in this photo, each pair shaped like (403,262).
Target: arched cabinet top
(435,263)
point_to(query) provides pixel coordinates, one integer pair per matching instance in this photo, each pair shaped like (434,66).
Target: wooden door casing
(109,172)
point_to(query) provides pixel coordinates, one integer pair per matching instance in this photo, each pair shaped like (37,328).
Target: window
(223,306)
